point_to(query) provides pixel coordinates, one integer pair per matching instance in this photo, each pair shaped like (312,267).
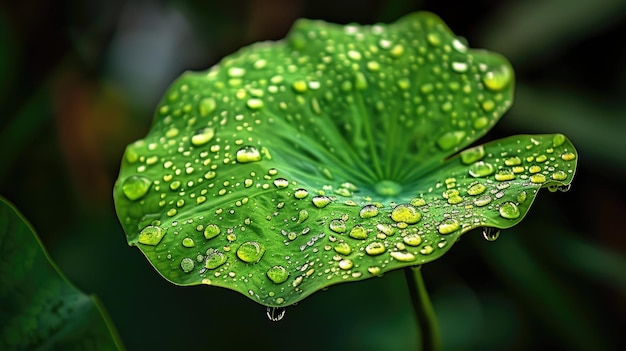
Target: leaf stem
(423,309)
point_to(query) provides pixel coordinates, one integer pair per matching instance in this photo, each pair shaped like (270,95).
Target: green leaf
(39,308)
(330,157)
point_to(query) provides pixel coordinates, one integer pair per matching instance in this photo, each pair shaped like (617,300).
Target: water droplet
(433,39)
(358,232)
(472,155)
(151,235)
(277,274)
(450,139)
(211,231)
(188,242)
(202,136)
(418,201)
(300,193)
(559,175)
(498,78)
(509,210)
(459,67)
(558,140)
(254,104)
(337,226)
(513,161)
(281,183)
(346,264)
(303,215)
(521,197)
(206,106)
(490,233)
(368,211)
(236,72)
(448,226)
(504,175)
(250,251)
(481,169)
(412,239)
(248,154)
(187,264)
(343,249)
(375,248)
(476,189)
(482,201)
(537,178)
(321,201)
(387,188)
(135,187)
(568,156)
(403,256)
(405,213)
(214,258)
(275,314)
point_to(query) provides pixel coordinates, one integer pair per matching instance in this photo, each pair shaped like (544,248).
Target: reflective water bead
(405,213)
(277,274)
(509,210)
(135,187)
(448,226)
(151,235)
(248,154)
(368,211)
(250,251)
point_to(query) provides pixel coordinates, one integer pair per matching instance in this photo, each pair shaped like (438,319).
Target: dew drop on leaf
(509,210)
(135,187)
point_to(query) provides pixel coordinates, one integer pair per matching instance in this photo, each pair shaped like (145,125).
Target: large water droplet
(403,256)
(277,274)
(498,78)
(490,233)
(448,226)
(405,213)
(187,264)
(476,189)
(375,248)
(135,187)
(202,136)
(412,239)
(481,169)
(250,251)
(509,210)
(358,232)
(214,258)
(248,154)
(337,226)
(211,231)
(368,211)
(504,175)
(275,314)
(281,183)
(321,201)
(300,193)
(151,235)
(343,249)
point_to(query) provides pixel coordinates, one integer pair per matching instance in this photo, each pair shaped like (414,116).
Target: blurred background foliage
(79,80)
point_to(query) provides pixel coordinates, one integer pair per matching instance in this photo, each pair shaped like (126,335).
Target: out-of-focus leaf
(39,308)
(524,30)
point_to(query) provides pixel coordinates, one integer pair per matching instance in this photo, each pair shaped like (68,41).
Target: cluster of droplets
(215,195)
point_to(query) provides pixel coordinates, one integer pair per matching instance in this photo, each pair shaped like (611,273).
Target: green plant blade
(321,159)
(39,308)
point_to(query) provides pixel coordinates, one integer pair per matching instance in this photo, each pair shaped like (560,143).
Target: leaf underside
(39,309)
(331,156)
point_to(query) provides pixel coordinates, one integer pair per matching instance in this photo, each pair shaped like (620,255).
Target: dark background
(79,81)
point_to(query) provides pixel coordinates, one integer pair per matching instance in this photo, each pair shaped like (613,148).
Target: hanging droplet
(490,233)
(275,313)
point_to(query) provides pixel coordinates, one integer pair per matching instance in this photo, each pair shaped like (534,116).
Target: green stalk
(423,309)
